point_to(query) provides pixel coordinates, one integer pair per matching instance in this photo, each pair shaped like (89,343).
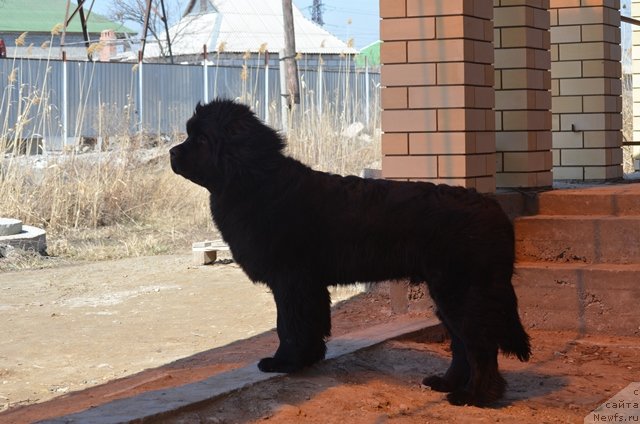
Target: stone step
(589,298)
(582,239)
(619,200)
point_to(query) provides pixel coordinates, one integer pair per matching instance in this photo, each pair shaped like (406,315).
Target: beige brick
(526,120)
(603,172)
(485,184)
(610,104)
(514,58)
(605,139)
(568,173)
(408,74)
(523,78)
(606,33)
(585,157)
(525,161)
(570,69)
(566,104)
(566,34)
(524,37)
(516,179)
(585,51)
(584,86)
(567,140)
(409,166)
(407,29)
(515,141)
(485,142)
(583,122)
(515,99)
(484,97)
(393,52)
(582,16)
(408,120)
(395,144)
(601,68)
(521,16)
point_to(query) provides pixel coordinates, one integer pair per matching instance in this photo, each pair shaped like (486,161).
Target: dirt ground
(77,336)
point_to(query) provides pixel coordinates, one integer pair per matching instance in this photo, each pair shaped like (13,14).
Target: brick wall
(586,89)
(437,97)
(523,99)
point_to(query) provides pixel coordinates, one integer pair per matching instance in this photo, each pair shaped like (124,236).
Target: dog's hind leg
(303,324)
(458,373)
(485,384)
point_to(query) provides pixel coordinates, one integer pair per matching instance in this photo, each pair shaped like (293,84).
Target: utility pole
(316,12)
(289,59)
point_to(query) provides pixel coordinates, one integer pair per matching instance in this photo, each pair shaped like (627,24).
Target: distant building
(38,19)
(241,31)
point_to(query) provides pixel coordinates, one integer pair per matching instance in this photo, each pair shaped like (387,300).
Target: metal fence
(60,102)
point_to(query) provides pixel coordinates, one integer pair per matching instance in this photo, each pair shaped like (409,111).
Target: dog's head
(223,136)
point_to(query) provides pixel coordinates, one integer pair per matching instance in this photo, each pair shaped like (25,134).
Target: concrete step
(618,200)
(575,238)
(600,298)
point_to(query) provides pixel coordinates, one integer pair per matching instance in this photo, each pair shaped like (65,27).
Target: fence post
(65,101)
(266,86)
(319,86)
(205,75)
(283,93)
(140,105)
(366,89)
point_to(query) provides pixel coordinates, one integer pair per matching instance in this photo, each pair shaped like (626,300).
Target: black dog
(298,231)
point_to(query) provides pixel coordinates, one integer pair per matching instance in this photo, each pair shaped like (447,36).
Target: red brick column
(586,89)
(523,99)
(437,97)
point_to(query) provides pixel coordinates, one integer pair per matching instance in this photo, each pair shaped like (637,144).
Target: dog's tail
(515,340)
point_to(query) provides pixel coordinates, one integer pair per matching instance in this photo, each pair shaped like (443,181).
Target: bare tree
(133,11)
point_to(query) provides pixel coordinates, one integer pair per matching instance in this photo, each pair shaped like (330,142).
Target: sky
(364,16)
(357,19)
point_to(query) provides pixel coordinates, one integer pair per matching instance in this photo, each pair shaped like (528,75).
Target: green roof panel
(42,16)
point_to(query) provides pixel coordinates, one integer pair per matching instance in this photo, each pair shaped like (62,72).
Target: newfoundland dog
(299,231)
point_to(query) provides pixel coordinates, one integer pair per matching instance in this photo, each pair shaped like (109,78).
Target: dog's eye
(201,139)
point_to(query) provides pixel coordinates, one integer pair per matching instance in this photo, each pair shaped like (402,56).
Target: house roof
(247,25)
(41,16)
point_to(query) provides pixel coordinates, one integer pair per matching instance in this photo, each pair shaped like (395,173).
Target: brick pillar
(635,52)
(586,89)
(523,99)
(437,96)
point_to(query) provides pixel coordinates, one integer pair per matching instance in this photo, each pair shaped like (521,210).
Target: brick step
(578,239)
(619,200)
(589,298)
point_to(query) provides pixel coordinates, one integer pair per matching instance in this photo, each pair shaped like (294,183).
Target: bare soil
(77,336)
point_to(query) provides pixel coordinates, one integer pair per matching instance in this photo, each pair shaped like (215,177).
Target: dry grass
(126,201)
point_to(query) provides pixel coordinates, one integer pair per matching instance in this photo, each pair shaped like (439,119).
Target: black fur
(298,231)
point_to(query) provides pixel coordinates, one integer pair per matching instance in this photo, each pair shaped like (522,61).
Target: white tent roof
(247,25)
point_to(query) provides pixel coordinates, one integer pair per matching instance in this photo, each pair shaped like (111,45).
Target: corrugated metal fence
(104,99)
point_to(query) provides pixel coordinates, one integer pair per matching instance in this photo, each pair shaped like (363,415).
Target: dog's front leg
(304,323)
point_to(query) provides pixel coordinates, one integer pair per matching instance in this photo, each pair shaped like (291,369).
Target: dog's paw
(463,397)
(438,384)
(276,365)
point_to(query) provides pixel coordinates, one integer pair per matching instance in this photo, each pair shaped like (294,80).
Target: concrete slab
(152,405)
